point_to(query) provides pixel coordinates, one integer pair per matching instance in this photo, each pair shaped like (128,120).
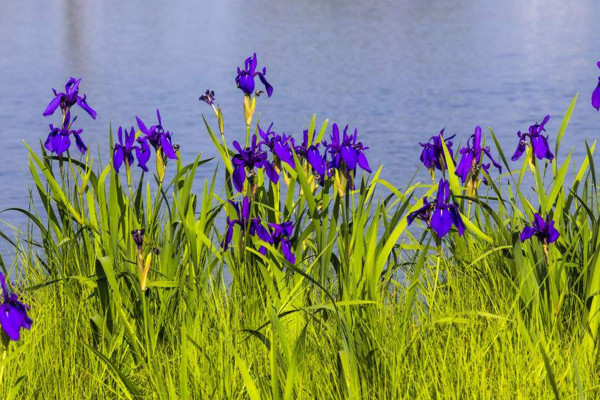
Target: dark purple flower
(246,160)
(65,100)
(208,97)
(439,215)
(279,145)
(346,150)
(59,141)
(596,94)
(472,157)
(544,230)
(539,143)
(138,238)
(13,313)
(432,155)
(245,77)
(157,137)
(246,224)
(279,235)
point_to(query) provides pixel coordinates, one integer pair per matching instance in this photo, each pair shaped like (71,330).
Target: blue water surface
(399,71)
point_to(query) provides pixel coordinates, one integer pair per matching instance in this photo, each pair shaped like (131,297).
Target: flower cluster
(13,313)
(343,153)
(440,214)
(539,143)
(245,162)
(58,140)
(129,147)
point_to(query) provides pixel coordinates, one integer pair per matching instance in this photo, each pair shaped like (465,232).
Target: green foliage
(369,310)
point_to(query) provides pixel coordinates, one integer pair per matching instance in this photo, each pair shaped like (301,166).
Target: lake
(399,71)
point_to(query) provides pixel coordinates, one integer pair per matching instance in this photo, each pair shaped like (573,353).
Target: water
(397,70)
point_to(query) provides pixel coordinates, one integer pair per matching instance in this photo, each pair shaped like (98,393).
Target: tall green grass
(370,309)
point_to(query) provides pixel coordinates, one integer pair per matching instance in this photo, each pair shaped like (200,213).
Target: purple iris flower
(312,155)
(539,143)
(246,224)
(65,100)
(543,229)
(279,145)
(596,94)
(280,235)
(432,155)
(440,214)
(59,141)
(157,137)
(13,313)
(245,77)
(472,156)
(124,150)
(246,160)
(347,150)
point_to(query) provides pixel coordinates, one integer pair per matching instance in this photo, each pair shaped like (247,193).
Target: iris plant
(65,100)
(596,94)
(246,160)
(440,214)
(543,229)
(310,154)
(471,161)
(157,137)
(279,145)
(13,313)
(432,155)
(346,153)
(279,235)
(245,77)
(540,148)
(124,151)
(59,141)
(246,224)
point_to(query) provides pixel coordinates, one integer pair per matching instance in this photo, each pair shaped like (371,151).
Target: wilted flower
(246,160)
(543,229)
(432,155)
(472,157)
(596,94)
(246,224)
(138,238)
(208,97)
(539,143)
(13,313)
(245,77)
(59,141)
(65,100)
(279,235)
(157,137)
(347,150)
(279,145)
(439,215)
